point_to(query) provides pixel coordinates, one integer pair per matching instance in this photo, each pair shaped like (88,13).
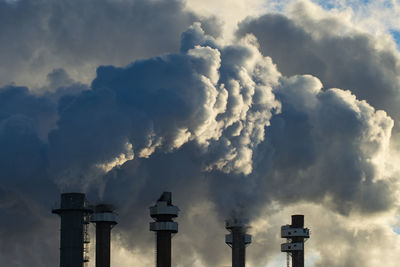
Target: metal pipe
(105,219)
(163,248)
(238,247)
(103,236)
(237,240)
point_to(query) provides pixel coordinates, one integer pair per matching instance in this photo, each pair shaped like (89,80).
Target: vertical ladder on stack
(86,240)
(288,256)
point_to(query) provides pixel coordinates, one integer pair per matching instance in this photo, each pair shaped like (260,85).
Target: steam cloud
(220,125)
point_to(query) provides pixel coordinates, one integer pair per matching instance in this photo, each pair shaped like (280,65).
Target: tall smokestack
(163,213)
(237,240)
(74,239)
(105,219)
(295,235)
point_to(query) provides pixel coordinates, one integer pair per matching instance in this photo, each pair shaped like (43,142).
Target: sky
(258,109)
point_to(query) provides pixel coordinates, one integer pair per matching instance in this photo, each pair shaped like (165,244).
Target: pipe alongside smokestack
(74,215)
(105,219)
(296,235)
(237,240)
(164,226)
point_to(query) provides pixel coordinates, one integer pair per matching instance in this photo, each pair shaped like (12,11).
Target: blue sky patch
(396,36)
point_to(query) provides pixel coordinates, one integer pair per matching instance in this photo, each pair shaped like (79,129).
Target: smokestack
(295,235)
(105,219)
(237,240)
(74,239)
(163,213)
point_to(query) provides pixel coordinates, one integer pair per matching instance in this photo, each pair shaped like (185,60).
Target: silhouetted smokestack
(237,240)
(105,219)
(163,213)
(295,234)
(74,236)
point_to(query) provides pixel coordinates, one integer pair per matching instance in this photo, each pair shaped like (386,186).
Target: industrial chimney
(105,219)
(163,213)
(74,239)
(295,235)
(237,240)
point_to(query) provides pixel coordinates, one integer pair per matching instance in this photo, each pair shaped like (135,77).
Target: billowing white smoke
(217,97)
(330,145)
(225,115)
(218,125)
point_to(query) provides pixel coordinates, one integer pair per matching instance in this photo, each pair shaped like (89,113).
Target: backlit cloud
(289,112)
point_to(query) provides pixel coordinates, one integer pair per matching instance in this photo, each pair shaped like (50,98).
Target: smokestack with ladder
(237,240)
(105,219)
(74,237)
(164,226)
(295,235)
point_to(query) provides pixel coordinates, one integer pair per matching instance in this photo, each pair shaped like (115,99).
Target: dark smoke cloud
(220,100)
(26,230)
(23,119)
(40,37)
(26,191)
(320,148)
(218,125)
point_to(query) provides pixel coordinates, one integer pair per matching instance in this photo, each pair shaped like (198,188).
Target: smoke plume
(293,116)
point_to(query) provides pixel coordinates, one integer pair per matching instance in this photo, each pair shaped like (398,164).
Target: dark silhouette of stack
(105,219)
(295,235)
(164,226)
(237,240)
(74,215)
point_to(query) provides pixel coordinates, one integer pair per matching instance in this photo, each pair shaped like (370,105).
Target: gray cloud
(337,54)
(26,230)
(219,99)
(216,124)
(325,142)
(320,148)
(39,36)
(26,190)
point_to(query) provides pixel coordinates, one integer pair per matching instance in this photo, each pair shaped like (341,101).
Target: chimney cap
(166,197)
(103,208)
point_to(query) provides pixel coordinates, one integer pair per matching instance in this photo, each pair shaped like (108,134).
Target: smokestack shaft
(105,218)
(163,213)
(71,241)
(238,247)
(163,249)
(73,213)
(103,236)
(298,256)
